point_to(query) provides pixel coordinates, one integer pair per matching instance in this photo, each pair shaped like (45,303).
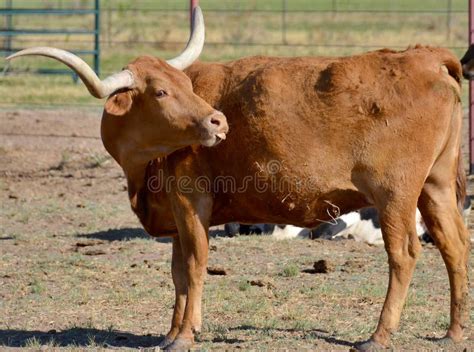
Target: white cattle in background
(362,226)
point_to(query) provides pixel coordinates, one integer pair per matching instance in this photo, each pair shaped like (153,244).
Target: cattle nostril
(215,121)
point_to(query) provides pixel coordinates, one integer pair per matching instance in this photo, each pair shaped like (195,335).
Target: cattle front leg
(178,272)
(403,248)
(192,219)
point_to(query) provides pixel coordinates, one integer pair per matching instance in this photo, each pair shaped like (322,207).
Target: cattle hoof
(368,346)
(180,344)
(165,342)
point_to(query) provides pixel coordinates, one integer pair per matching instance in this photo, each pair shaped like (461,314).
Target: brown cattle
(310,138)
(378,129)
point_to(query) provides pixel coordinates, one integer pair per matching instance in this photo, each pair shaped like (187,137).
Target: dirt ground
(78,272)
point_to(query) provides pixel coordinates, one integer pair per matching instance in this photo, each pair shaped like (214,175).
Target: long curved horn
(99,89)
(195,44)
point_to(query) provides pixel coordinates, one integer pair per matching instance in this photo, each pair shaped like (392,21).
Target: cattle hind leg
(397,218)
(437,205)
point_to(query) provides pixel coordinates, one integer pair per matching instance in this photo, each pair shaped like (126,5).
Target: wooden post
(9,26)
(449,12)
(97,38)
(284,9)
(471,93)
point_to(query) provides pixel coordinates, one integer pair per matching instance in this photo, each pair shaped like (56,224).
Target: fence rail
(10,32)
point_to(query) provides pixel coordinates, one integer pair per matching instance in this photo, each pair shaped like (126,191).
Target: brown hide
(309,139)
(351,129)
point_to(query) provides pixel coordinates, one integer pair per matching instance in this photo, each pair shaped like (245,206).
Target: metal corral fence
(129,28)
(286,27)
(124,29)
(11,33)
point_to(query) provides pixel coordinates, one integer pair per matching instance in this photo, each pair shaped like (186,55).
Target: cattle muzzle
(468,70)
(467,63)
(215,129)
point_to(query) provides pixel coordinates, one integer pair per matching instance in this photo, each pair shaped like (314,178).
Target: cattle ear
(119,104)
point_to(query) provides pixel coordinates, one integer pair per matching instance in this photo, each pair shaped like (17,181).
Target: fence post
(109,26)
(97,38)
(284,9)
(9,27)
(471,93)
(449,19)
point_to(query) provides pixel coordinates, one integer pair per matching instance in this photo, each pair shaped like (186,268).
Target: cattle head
(151,108)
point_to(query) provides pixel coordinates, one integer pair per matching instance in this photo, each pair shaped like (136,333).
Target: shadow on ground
(130,233)
(76,337)
(125,234)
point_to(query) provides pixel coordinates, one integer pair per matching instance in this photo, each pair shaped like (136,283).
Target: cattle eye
(161,93)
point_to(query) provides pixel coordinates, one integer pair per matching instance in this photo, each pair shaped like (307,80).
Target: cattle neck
(135,168)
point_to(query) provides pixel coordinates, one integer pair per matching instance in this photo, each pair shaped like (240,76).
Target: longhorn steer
(310,137)
(331,135)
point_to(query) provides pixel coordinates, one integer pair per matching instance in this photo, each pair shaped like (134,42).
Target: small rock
(216,271)
(88,244)
(261,283)
(94,252)
(83,244)
(322,267)
(258,283)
